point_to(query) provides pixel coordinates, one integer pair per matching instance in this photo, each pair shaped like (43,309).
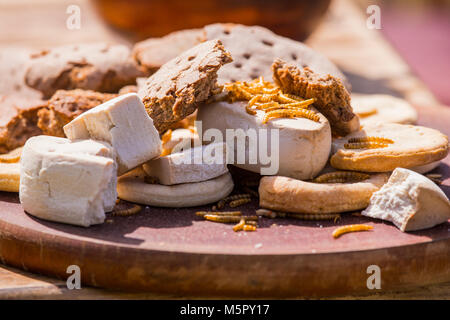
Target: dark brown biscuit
(176,89)
(332,99)
(152,53)
(255,48)
(18,120)
(100,67)
(64,106)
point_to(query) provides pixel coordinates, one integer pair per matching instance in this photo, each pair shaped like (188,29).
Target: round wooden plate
(173,251)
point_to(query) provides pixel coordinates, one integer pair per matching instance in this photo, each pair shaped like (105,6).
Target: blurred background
(418,30)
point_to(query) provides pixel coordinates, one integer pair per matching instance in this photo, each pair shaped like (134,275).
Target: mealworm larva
(266,213)
(12,156)
(228,219)
(367,113)
(165,152)
(293,96)
(127,212)
(166,136)
(250,111)
(239,202)
(308,216)
(267,105)
(434,175)
(252,223)
(248,227)
(287,113)
(365,145)
(151,180)
(341,176)
(239,226)
(250,191)
(371,139)
(351,228)
(218,213)
(284,99)
(437,181)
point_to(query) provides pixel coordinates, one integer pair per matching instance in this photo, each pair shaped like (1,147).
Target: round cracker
(9,177)
(291,195)
(373,108)
(413,146)
(131,187)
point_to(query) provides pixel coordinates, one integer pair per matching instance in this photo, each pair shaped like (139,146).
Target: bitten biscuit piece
(332,99)
(192,165)
(290,195)
(64,106)
(18,120)
(132,187)
(410,201)
(254,48)
(99,66)
(372,108)
(152,53)
(175,90)
(382,147)
(123,123)
(69,182)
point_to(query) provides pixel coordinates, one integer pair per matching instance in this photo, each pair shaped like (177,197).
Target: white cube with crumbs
(123,123)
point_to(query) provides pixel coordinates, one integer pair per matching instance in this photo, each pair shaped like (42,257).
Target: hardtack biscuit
(66,105)
(331,97)
(132,187)
(152,53)
(9,177)
(291,195)
(98,66)
(176,89)
(13,62)
(410,201)
(372,108)
(383,147)
(254,48)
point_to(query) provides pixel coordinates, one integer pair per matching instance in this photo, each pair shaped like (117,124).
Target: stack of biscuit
(336,149)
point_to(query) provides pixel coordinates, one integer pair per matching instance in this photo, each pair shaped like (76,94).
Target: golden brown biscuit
(411,146)
(291,195)
(331,97)
(9,177)
(372,108)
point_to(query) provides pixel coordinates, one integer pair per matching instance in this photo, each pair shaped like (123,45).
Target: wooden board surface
(172,250)
(371,65)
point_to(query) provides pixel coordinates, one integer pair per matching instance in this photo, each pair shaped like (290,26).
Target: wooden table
(368,60)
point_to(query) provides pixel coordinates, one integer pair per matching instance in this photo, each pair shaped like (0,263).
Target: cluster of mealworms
(367,143)
(265,96)
(244,223)
(301,216)
(341,177)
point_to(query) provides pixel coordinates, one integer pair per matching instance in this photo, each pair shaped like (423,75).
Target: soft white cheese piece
(70,182)
(300,150)
(410,201)
(123,123)
(191,165)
